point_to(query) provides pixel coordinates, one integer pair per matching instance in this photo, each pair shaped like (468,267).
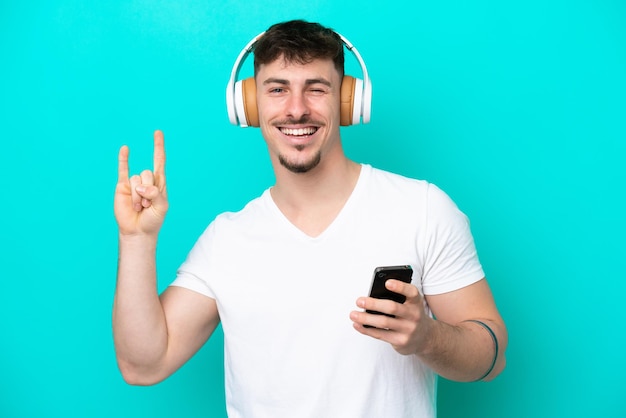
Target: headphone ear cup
(351,101)
(245,103)
(347,100)
(249,101)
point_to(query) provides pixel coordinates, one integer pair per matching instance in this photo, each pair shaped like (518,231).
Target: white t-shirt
(284,299)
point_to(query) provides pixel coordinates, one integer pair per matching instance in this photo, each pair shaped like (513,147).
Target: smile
(299,131)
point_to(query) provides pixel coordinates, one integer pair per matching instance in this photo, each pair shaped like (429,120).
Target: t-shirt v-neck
(348,207)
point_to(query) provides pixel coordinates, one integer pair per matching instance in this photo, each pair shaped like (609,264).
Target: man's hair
(300,42)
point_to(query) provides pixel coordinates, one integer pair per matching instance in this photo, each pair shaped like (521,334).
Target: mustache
(305,119)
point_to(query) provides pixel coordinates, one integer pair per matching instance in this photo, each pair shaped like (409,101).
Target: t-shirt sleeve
(450,260)
(195,270)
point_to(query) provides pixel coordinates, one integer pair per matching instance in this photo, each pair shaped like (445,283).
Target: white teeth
(299,131)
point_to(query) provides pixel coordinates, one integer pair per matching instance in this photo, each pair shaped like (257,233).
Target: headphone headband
(360,96)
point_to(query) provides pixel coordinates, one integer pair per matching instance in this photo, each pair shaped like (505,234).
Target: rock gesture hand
(141,201)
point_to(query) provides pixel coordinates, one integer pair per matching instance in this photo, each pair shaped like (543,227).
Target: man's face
(299,111)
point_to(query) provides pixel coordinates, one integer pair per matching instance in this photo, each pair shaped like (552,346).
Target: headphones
(356,94)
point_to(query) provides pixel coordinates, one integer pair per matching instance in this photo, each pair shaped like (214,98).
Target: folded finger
(135,181)
(147,178)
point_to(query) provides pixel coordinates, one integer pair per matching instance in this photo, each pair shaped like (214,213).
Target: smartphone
(381,275)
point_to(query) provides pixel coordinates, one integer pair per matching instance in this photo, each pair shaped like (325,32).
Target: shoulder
(232,223)
(425,200)
(424,190)
(387,180)
(250,212)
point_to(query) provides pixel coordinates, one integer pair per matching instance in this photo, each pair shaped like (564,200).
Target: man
(287,275)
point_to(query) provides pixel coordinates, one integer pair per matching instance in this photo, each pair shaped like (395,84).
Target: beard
(303,166)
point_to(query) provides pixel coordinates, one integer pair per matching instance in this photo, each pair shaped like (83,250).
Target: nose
(297,105)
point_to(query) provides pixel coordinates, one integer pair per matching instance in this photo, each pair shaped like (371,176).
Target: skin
(295,96)
(154,335)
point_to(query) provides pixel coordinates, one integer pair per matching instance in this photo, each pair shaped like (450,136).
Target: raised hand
(141,201)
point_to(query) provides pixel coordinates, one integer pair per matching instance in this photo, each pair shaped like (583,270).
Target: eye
(276,90)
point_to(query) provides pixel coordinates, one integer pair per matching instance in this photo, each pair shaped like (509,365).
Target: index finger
(159,154)
(122,165)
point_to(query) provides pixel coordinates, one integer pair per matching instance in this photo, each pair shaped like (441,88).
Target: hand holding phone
(378,289)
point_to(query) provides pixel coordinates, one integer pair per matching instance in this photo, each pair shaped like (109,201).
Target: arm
(153,336)
(452,345)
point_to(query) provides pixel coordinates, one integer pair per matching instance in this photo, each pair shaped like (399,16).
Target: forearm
(466,351)
(139,326)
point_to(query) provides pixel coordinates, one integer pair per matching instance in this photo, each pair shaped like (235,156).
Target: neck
(312,200)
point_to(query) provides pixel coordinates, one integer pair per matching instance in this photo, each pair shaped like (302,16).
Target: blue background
(516,109)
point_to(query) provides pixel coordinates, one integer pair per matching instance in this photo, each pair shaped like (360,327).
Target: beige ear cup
(347,100)
(248,93)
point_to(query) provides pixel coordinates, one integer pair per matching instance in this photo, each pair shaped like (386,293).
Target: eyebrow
(308,82)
